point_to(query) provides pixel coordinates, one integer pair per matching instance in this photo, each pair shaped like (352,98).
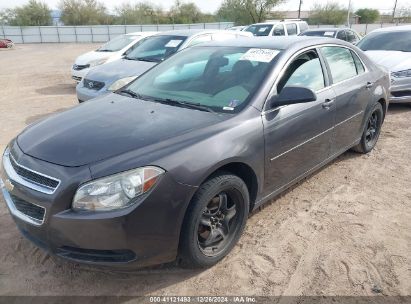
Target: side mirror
(292,95)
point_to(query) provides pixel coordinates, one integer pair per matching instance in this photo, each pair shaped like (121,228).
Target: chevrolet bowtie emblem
(8,185)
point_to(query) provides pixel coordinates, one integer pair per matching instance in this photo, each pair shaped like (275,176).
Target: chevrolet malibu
(170,166)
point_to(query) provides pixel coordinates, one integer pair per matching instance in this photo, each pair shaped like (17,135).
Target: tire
(198,244)
(371,131)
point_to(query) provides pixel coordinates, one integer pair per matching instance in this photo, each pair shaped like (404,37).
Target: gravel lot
(346,230)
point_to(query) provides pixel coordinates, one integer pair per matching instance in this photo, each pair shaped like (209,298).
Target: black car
(172,164)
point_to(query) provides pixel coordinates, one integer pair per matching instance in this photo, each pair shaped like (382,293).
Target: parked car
(145,55)
(286,27)
(6,43)
(108,52)
(391,48)
(172,164)
(345,34)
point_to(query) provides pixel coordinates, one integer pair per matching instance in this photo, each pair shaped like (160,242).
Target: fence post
(108,32)
(41,36)
(366,28)
(58,33)
(75,33)
(2,28)
(21,33)
(204,25)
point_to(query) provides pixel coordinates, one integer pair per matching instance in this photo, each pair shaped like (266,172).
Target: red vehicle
(6,43)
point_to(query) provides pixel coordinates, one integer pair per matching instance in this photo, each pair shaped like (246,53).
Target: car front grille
(93,85)
(76,78)
(33,211)
(34,177)
(79,67)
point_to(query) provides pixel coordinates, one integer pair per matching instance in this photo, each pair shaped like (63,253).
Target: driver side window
(305,71)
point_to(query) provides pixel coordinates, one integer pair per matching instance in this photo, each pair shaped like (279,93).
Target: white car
(110,51)
(286,27)
(390,47)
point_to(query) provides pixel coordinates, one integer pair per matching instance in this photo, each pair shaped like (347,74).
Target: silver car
(143,56)
(391,48)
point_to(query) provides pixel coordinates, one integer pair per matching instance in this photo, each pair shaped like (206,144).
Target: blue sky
(212,5)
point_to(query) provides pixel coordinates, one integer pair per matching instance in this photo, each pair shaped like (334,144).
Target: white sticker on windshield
(262,29)
(260,55)
(173,43)
(329,34)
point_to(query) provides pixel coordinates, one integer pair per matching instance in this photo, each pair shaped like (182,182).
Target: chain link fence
(95,33)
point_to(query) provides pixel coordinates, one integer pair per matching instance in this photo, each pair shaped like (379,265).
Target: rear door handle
(328,103)
(369,85)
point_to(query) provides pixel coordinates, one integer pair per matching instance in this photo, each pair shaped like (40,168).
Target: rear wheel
(214,221)
(371,131)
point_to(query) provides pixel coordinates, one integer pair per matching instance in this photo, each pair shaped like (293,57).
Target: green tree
(139,13)
(84,12)
(33,13)
(368,15)
(246,11)
(329,13)
(185,13)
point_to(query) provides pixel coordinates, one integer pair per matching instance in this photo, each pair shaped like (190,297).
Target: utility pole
(299,9)
(393,11)
(348,14)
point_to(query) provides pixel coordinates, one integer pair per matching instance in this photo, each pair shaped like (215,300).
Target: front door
(298,137)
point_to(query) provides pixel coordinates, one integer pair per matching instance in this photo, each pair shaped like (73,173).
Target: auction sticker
(173,43)
(260,55)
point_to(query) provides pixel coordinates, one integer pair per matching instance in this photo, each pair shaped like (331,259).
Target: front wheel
(214,221)
(371,131)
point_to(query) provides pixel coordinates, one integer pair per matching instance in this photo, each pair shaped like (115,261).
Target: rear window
(341,63)
(291,29)
(319,33)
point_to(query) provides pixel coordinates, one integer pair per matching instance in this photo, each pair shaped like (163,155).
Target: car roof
(278,43)
(141,33)
(394,28)
(324,29)
(279,21)
(192,32)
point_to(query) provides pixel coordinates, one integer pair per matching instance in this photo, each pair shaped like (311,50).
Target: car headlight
(121,83)
(116,191)
(401,74)
(97,62)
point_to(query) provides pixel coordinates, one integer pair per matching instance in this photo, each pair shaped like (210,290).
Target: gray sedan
(171,165)
(143,56)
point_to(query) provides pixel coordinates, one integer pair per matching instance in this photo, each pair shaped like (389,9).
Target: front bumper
(400,91)
(144,234)
(85,94)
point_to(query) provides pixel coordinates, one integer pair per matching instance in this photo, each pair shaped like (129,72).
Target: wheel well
(384,106)
(244,172)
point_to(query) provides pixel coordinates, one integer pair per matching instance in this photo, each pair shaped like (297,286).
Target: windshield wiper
(130,93)
(187,104)
(147,59)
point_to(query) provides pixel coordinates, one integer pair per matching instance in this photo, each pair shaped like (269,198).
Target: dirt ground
(346,230)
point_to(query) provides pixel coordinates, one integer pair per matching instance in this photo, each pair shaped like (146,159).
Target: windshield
(386,41)
(219,79)
(259,29)
(156,48)
(319,33)
(117,43)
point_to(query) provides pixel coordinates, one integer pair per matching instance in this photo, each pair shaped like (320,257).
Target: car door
(342,35)
(278,30)
(291,29)
(298,136)
(352,89)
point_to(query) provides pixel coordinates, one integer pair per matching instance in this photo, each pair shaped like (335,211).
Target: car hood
(118,69)
(91,56)
(392,60)
(108,126)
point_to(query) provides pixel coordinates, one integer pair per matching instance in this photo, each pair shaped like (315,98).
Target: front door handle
(328,103)
(369,85)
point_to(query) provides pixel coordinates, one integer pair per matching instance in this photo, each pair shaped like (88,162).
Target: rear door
(298,137)
(349,78)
